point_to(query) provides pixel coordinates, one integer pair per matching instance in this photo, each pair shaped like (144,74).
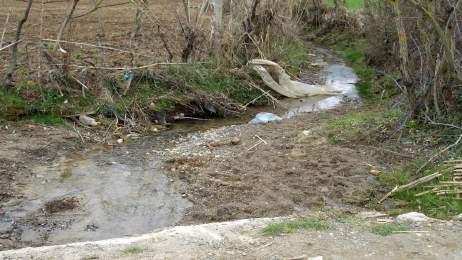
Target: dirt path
(294,168)
(244,240)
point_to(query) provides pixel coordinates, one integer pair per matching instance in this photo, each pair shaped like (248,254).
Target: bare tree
(14,49)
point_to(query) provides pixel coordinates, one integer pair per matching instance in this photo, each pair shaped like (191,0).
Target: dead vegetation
(105,53)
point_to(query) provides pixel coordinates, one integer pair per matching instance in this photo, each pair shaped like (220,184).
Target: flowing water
(337,75)
(122,191)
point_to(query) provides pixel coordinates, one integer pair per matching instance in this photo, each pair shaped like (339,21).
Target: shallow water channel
(123,191)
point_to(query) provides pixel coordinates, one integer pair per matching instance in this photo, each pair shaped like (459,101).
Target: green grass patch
(215,80)
(315,224)
(430,204)
(350,4)
(360,125)
(10,103)
(133,251)
(388,229)
(292,56)
(47,120)
(356,58)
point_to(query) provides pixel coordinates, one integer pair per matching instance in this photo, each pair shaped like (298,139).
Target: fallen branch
(9,45)
(87,44)
(125,68)
(411,185)
(439,153)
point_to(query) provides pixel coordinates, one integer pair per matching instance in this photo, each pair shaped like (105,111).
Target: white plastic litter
(263,118)
(87,121)
(412,217)
(282,83)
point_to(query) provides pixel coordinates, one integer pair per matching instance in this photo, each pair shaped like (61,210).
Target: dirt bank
(244,240)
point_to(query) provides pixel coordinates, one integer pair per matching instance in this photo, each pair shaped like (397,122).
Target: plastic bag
(263,118)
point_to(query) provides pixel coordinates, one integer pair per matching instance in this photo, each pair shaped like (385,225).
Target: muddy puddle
(123,191)
(99,195)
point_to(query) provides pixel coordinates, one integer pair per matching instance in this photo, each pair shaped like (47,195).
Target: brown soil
(118,23)
(61,205)
(295,170)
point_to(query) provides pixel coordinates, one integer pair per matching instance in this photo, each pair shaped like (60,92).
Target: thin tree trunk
(14,49)
(404,57)
(70,12)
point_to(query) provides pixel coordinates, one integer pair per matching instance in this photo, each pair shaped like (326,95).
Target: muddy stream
(123,191)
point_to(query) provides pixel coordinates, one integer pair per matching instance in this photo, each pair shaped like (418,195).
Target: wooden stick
(87,44)
(9,45)
(411,231)
(412,185)
(423,193)
(255,146)
(261,139)
(125,68)
(4,29)
(439,153)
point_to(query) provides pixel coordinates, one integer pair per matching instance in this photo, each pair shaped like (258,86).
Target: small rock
(457,218)
(412,217)
(316,258)
(235,141)
(375,172)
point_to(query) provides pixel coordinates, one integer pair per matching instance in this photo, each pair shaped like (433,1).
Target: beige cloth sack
(282,83)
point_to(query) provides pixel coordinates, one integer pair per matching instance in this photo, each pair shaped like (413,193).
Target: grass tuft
(360,125)
(295,225)
(47,120)
(134,250)
(388,229)
(350,4)
(10,103)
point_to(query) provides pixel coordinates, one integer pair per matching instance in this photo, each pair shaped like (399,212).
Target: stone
(412,217)
(235,141)
(316,258)
(457,218)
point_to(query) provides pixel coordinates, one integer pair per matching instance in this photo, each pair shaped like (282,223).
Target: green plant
(47,120)
(293,56)
(388,229)
(275,229)
(358,125)
(430,203)
(10,102)
(350,4)
(134,250)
